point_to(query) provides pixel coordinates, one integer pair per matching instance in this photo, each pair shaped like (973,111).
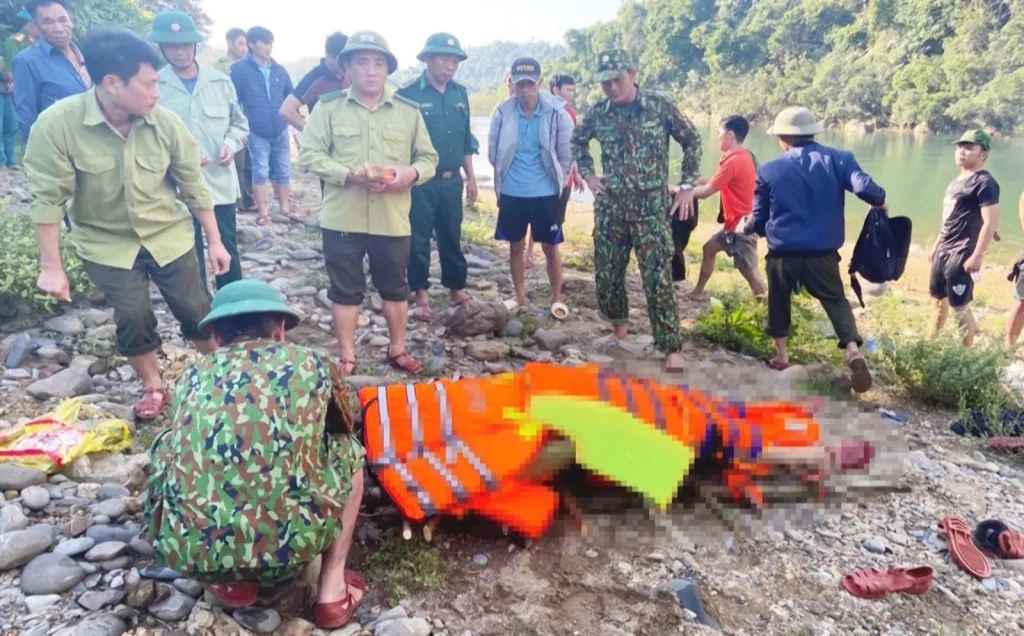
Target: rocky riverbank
(72,563)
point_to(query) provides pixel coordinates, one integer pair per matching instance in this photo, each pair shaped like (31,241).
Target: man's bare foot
(422,312)
(460,297)
(779,362)
(675,362)
(697,297)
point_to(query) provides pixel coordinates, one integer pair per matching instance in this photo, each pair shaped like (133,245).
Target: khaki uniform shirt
(212,114)
(342,134)
(119,191)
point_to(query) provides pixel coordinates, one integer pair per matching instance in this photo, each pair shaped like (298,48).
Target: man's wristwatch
(686,186)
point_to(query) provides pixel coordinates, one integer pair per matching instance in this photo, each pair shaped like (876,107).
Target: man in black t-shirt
(970,215)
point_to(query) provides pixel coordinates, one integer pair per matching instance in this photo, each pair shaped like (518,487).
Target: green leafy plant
(19,268)
(404,567)
(944,372)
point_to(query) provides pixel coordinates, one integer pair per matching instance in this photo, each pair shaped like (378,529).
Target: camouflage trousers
(636,221)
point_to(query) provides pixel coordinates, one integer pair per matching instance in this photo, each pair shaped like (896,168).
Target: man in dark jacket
(262,86)
(799,208)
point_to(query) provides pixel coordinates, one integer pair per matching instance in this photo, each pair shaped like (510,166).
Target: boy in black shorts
(970,215)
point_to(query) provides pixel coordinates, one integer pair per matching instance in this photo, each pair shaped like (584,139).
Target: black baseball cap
(525,68)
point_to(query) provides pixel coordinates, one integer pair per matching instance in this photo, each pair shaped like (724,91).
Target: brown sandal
(403,361)
(152,404)
(339,613)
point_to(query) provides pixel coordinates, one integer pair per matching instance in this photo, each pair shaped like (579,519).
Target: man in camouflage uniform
(631,200)
(259,473)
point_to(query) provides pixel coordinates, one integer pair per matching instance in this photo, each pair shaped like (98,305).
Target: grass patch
(530,324)
(404,567)
(825,386)
(736,321)
(943,372)
(582,261)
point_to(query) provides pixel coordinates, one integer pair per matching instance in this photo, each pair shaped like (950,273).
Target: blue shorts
(271,159)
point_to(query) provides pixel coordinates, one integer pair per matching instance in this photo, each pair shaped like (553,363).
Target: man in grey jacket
(529,148)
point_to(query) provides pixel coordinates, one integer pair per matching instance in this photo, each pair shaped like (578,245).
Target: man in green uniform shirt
(118,161)
(364,213)
(631,200)
(238,47)
(437,204)
(205,100)
(13,45)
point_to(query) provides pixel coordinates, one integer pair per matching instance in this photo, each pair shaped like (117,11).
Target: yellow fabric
(342,134)
(52,441)
(119,192)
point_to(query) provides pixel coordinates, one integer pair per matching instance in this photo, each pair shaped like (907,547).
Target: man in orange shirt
(734,181)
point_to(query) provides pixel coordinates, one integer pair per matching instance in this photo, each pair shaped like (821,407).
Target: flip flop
(264,221)
(423,313)
(776,365)
(859,374)
(999,539)
(962,549)
(1005,444)
(152,404)
(339,613)
(560,311)
(513,307)
(871,583)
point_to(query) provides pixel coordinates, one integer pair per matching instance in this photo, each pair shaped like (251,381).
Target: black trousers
(819,275)
(681,231)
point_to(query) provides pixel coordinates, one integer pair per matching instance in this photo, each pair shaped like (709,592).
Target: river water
(914,171)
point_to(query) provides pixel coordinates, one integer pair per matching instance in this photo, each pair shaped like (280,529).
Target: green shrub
(737,322)
(19,267)
(944,372)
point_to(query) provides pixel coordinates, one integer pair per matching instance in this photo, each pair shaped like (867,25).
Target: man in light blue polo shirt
(529,149)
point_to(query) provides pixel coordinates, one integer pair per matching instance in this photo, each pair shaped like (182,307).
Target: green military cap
(612,63)
(797,121)
(174,27)
(442,44)
(244,297)
(24,15)
(975,136)
(369,41)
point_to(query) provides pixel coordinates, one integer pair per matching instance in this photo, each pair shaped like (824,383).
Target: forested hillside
(929,64)
(487,63)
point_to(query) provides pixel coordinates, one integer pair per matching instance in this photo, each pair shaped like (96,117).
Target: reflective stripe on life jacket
(437,445)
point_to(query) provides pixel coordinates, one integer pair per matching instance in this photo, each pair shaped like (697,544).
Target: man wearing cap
(370,146)
(631,199)
(128,171)
(259,472)
(326,77)
(528,145)
(970,215)
(437,205)
(799,206)
(51,69)
(204,98)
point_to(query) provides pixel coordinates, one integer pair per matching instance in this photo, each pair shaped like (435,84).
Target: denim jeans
(271,159)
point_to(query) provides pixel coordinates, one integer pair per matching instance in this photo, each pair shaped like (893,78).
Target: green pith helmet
(612,63)
(248,297)
(442,44)
(796,121)
(24,15)
(174,27)
(975,136)
(371,42)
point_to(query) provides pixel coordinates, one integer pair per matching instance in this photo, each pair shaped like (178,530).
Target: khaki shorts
(127,291)
(1018,288)
(741,247)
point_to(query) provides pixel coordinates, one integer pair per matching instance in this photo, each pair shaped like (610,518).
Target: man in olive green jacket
(205,100)
(368,123)
(128,171)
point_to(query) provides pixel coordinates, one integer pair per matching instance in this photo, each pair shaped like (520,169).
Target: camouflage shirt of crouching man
(631,212)
(248,485)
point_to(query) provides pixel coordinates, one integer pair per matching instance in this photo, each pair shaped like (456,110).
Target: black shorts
(540,214)
(389,260)
(950,280)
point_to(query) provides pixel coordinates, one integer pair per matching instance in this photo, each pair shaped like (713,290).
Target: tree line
(928,65)
(135,15)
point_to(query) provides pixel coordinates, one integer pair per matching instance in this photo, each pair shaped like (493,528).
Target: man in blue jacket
(262,86)
(799,207)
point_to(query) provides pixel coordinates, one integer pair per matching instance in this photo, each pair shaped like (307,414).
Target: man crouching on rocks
(118,161)
(259,473)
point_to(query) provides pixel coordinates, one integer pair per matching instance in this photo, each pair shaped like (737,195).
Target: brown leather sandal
(339,613)
(403,361)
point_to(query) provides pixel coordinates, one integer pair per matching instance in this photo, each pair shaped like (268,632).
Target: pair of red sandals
(326,615)
(967,549)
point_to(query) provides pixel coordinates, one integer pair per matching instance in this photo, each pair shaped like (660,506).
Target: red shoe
(340,613)
(234,595)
